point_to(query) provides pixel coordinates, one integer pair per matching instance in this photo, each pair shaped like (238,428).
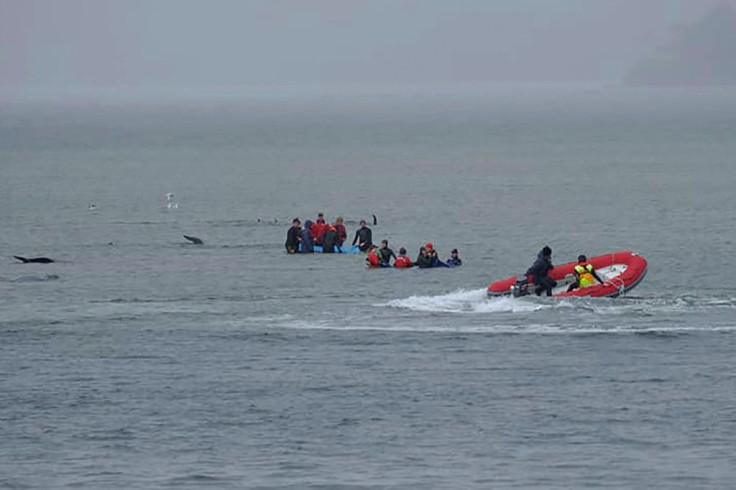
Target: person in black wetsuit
(384,254)
(454,260)
(307,238)
(293,237)
(423,260)
(363,237)
(330,240)
(540,272)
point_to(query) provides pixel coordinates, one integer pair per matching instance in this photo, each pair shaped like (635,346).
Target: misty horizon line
(10,94)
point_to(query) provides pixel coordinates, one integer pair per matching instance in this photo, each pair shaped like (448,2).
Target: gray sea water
(137,360)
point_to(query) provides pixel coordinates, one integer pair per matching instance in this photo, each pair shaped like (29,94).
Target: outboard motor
(521,288)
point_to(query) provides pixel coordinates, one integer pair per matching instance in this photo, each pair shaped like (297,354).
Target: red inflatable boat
(620,272)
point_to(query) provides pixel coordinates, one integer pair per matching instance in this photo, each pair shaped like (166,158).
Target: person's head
(296,222)
(582,258)
(423,250)
(339,220)
(429,246)
(384,243)
(308,224)
(402,251)
(320,217)
(546,251)
(362,223)
(454,252)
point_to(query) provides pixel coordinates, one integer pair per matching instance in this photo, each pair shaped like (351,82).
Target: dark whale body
(34,260)
(194,239)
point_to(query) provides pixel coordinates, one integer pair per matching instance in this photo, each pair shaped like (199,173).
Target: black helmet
(546,251)
(582,258)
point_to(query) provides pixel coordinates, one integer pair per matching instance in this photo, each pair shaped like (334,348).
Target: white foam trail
(464,301)
(505,329)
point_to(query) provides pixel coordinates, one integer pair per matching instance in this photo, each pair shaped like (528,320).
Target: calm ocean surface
(139,361)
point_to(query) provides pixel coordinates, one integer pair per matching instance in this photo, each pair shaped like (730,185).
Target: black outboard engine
(521,288)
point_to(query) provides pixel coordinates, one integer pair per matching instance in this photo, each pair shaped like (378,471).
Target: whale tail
(22,259)
(194,239)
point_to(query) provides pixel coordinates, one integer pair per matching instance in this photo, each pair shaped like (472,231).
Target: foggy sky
(81,44)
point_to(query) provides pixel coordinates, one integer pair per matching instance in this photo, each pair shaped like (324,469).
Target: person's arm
(595,274)
(357,234)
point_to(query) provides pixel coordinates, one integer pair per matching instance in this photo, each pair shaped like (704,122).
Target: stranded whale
(34,260)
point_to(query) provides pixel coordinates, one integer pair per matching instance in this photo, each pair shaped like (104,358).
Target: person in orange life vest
(342,232)
(319,228)
(585,275)
(373,260)
(402,261)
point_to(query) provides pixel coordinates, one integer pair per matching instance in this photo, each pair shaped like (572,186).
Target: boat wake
(475,301)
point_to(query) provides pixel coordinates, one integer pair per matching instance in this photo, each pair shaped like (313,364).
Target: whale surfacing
(194,239)
(34,260)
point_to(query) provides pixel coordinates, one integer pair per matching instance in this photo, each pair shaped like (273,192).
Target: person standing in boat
(363,237)
(585,275)
(293,236)
(540,272)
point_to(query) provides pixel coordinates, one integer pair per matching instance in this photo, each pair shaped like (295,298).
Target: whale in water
(34,260)
(194,239)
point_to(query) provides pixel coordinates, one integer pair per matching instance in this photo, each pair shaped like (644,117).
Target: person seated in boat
(585,275)
(403,261)
(307,243)
(454,260)
(293,237)
(363,237)
(384,254)
(434,257)
(540,272)
(329,240)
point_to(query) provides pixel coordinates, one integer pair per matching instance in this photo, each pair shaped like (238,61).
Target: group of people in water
(332,238)
(427,258)
(585,275)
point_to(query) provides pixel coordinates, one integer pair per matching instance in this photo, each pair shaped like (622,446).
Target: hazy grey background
(92,44)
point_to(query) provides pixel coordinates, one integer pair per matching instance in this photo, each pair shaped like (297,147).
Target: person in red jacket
(319,228)
(342,232)
(403,261)
(373,260)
